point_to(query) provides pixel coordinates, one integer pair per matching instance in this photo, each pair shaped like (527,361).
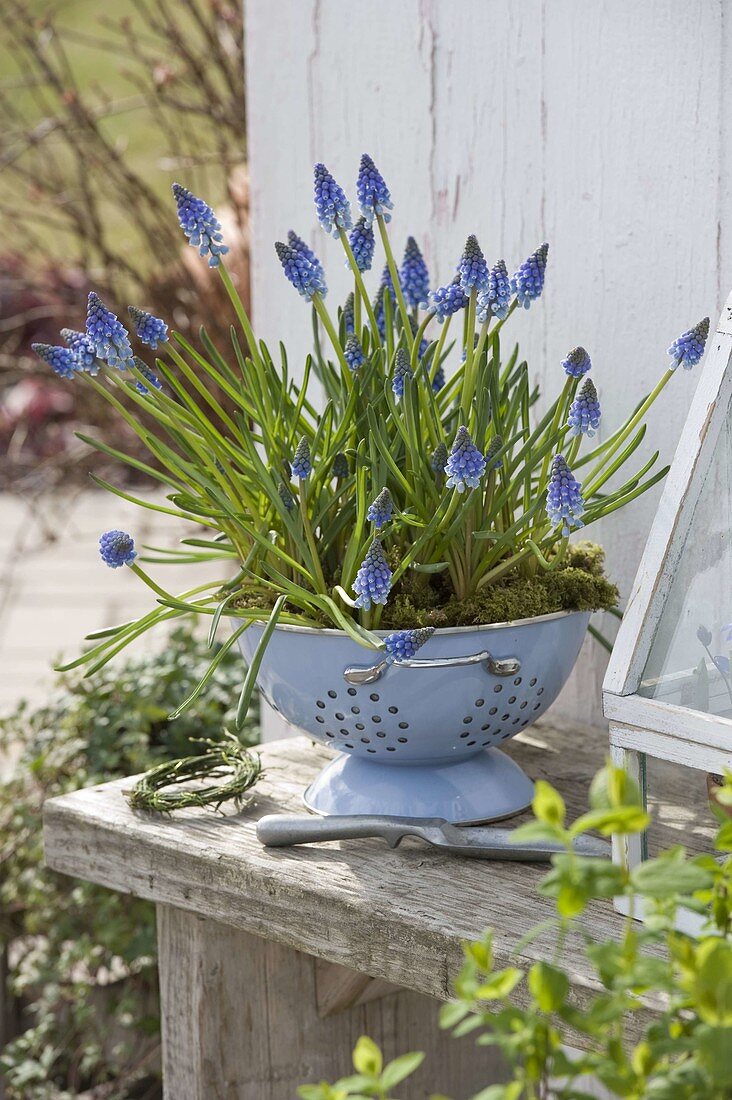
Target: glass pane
(689,661)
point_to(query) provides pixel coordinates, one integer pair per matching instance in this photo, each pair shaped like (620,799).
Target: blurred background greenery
(101,108)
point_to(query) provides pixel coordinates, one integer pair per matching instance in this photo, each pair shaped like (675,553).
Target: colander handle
(496,666)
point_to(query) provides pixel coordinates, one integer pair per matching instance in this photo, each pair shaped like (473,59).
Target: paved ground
(54,587)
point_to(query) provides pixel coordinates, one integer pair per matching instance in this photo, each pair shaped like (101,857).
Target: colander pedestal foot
(485,787)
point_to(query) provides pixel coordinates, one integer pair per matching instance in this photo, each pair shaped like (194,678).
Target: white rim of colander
(439,630)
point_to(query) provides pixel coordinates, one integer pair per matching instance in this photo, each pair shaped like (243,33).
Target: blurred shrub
(82,958)
(97,117)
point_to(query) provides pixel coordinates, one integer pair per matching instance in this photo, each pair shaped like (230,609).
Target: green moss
(421,599)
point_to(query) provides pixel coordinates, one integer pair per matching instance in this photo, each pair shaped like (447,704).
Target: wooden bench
(273,962)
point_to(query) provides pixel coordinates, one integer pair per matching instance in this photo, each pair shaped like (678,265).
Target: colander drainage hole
(524,705)
(537,706)
(404,725)
(506,734)
(360,726)
(486,744)
(465,733)
(370,750)
(375,718)
(517,681)
(540,691)
(471,743)
(467,721)
(380,733)
(332,694)
(374,697)
(498,687)
(497,734)
(319,703)
(479,702)
(365,740)
(532,682)
(493,710)
(516,721)
(355,710)
(352,691)
(505,717)
(512,699)
(329,734)
(390,748)
(393,710)
(339,716)
(402,740)
(319,718)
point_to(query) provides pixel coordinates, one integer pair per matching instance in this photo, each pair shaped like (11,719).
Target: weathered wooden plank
(240,1021)
(399,916)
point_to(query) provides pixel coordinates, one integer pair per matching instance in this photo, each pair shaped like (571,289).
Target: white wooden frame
(641,726)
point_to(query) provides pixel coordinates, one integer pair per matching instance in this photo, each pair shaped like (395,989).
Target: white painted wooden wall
(598,125)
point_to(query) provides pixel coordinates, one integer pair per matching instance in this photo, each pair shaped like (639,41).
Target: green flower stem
(567,390)
(357,307)
(594,478)
(317,569)
(438,350)
(360,287)
(418,336)
(395,281)
(468,386)
(324,316)
(240,312)
(150,582)
(573,450)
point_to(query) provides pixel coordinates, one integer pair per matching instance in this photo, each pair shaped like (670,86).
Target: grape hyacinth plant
(404,476)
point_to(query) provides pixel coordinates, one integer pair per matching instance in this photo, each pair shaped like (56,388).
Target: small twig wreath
(225,758)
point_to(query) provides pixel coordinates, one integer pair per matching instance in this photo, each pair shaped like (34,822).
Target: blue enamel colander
(418,738)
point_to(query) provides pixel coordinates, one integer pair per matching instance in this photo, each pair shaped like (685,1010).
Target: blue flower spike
(564,502)
(150,330)
(414,276)
(439,380)
(84,350)
(348,314)
(380,510)
(305,250)
(200,225)
(373,580)
(447,300)
(373,195)
(362,244)
(302,464)
(353,353)
(402,371)
(584,412)
(340,466)
(117,548)
(148,374)
(61,360)
(331,205)
(465,465)
(495,445)
(688,349)
(108,334)
(305,276)
(438,460)
(403,645)
(495,300)
(528,282)
(577,363)
(472,269)
(286,496)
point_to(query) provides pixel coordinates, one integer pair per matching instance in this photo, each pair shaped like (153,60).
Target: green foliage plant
(426,480)
(82,957)
(655,1022)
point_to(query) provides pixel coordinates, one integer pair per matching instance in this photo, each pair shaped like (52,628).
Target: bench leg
(240,1021)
